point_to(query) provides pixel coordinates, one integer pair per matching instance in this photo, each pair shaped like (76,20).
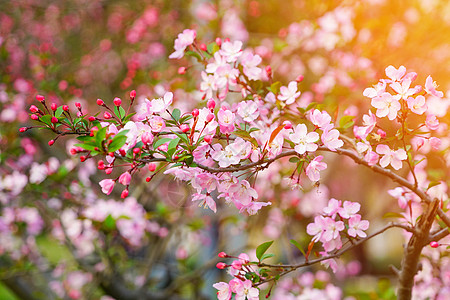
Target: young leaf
(161,142)
(117,142)
(267,255)
(393,215)
(296,244)
(176,113)
(262,249)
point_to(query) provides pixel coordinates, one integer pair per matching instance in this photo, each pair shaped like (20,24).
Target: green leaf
(213,48)
(346,122)
(58,111)
(176,113)
(88,147)
(84,138)
(100,136)
(261,249)
(393,215)
(117,142)
(119,112)
(311,106)
(161,142)
(275,87)
(194,54)
(128,117)
(109,223)
(267,255)
(185,118)
(296,244)
(294,159)
(246,136)
(433,183)
(46,119)
(173,146)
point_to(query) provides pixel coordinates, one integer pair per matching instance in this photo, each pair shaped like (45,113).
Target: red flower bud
(65,108)
(107,115)
(184,128)
(203,47)
(108,171)
(222,255)
(40,98)
(54,120)
(34,117)
(73,151)
(300,78)
(78,105)
(53,106)
(221,265)
(117,101)
(23,129)
(211,104)
(124,194)
(218,42)
(51,142)
(182,70)
(151,167)
(34,109)
(287,125)
(100,102)
(434,244)
(195,113)
(269,71)
(122,152)
(92,119)
(207,138)
(133,94)
(101,165)
(136,150)
(209,117)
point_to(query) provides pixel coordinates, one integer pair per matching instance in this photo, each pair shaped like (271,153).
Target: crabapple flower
(185,39)
(376,90)
(320,118)
(159,105)
(246,291)
(107,185)
(394,158)
(430,88)
(356,226)
(250,64)
(304,141)
(125,178)
(334,206)
(386,105)
(226,120)
(224,292)
(403,90)
(231,51)
(395,74)
(248,110)
(156,124)
(349,209)
(417,105)
(243,192)
(225,157)
(314,168)
(330,138)
(205,201)
(289,94)
(317,228)
(432,122)
(332,229)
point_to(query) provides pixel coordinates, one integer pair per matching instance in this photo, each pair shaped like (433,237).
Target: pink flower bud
(226,40)
(211,104)
(151,167)
(65,108)
(300,78)
(101,165)
(136,150)
(34,109)
(107,185)
(34,117)
(78,105)
(117,101)
(122,152)
(91,119)
(107,115)
(53,106)
(23,129)
(269,71)
(237,264)
(108,171)
(125,178)
(218,42)
(207,138)
(203,47)
(51,142)
(434,244)
(40,98)
(221,265)
(209,118)
(124,194)
(54,120)
(222,255)
(100,102)
(287,125)
(184,128)
(147,137)
(195,113)
(132,94)
(82,158)
(182,70)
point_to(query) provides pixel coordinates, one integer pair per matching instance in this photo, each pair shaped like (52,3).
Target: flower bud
(300,78)
(269,71)
(100,102)
(203,47)
(65,108)
(222,255)
(108,170)
(82,158)
(101,165)
(287,125)
(124,194)
(125,178)
(136,150)
(211,104)
(23,129)
(122,152)
(53,106)
(117,101)
(78,105)
(434,244)
(195,113)
(40,98)
(184,128)
(107,115)
(182,70)
(221,265)
(147,137)
(209,118)
(92,119)
(132,94)
(34,109)
(34,117)
(218,42)
(207,138)
(51,142)
(54,120)
(151,167)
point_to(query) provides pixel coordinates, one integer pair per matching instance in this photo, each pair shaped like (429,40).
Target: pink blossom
(330,138)
(208,84)
(432,122)
(304,141)
(144,110)
(394,158)
(317,228)
(125,178)
(226,119)
(435,143)
(430,88)
(243,193)
(248,110)
(246,291)
(395,74)
(386,105)
(184,39)
(314,167)
(320,118)
(224,292)
(231,51)
(250,64)
(160,105)
(156,123)
(107,185)
(403,90)
(225,157)
(332,229)
(334,206)
(206,181)
(356,226)
(417,105)
(205,201)
(349,209)
(289,94)
(371,158)
(376,90)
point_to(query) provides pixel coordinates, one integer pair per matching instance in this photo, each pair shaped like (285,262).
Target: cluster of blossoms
(337,219)
(240,286)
